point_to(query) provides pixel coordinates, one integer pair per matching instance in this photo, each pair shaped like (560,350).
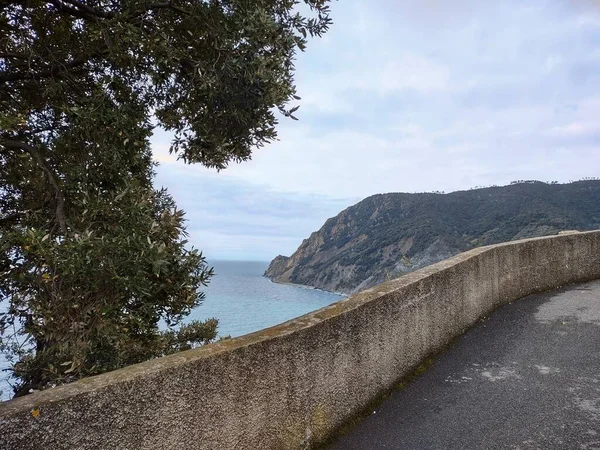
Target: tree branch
(13,55)
(90,10)
(39,160)
(7,3)
(164,5)
(11,218)
(75,12)
(8,219)
(53,71)
(84,11)
(80,10)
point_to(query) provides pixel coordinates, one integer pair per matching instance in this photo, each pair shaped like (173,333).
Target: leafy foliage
(93,257)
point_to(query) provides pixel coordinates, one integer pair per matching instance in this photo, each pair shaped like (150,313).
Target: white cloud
(419,96)
(572,129)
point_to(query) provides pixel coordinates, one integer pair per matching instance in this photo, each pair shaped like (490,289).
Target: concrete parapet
(292,385)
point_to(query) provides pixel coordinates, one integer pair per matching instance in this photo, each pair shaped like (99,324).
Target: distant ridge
(387,235)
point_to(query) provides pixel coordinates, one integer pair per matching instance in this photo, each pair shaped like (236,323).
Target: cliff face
(387,235)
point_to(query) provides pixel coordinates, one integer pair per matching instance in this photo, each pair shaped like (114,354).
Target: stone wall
(291,386)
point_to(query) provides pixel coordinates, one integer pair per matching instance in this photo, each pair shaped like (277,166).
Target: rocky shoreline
(388,235)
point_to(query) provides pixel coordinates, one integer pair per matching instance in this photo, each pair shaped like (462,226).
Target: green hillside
(386,235)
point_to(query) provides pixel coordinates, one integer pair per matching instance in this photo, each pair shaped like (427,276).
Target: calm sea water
(244,301)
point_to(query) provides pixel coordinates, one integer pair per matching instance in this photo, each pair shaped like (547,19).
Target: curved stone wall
(290,386)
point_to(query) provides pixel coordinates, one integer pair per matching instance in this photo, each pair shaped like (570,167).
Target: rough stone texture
(292,385)
(527,378)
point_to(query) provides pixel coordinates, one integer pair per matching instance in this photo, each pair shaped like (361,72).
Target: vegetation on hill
(387,235)
(92,257)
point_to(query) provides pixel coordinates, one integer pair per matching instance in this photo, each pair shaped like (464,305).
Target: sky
(404,96)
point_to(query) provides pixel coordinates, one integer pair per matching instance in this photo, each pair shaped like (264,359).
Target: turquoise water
(243,301)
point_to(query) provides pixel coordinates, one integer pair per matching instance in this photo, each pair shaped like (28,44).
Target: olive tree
(94,261)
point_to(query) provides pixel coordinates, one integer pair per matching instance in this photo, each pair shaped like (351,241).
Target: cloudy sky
(404,96)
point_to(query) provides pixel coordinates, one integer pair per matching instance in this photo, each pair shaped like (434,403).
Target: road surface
(527,378)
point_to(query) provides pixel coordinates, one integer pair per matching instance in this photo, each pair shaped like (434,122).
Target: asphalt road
(527,378)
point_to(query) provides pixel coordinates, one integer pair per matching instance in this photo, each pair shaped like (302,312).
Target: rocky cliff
(387,235)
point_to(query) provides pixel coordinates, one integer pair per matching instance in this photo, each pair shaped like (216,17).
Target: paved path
(528,378)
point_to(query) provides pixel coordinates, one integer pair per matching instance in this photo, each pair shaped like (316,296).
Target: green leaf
(212,76)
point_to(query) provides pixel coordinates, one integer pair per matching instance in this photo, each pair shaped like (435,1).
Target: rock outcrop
(387,235)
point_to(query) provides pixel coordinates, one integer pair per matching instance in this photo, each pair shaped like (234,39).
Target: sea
(243,301)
